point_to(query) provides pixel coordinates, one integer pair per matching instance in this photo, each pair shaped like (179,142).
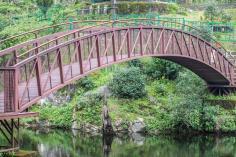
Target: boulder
(104,91)
(138,126)
(89,128)
(138,138)
(120,126)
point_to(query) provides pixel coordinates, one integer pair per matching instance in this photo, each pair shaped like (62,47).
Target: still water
(58,143)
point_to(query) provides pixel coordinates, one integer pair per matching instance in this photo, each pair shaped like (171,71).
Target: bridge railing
(11,55)
(8,90)
(142,21)
(46,30)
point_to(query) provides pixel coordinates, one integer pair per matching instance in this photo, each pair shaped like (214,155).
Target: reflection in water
(107,142)
(57,143)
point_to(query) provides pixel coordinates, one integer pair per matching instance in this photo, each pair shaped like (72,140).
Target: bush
(57,116)
(145,7)
(189,83)
(128,83)
(86,83)
(157,69)
(213,13)
(187,109)
(161,89)
(90,108)
(135,63)
(209,117)
(89,99)
(203,32)
(44,5)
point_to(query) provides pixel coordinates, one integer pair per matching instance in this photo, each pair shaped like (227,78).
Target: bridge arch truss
(37,76)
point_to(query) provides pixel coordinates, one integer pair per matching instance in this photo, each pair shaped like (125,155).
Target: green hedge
(145,7)
(141,7)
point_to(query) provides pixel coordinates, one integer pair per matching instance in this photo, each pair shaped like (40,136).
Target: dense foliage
(44,5)
(128,83)
(213,13)
(157,69)
(165,105)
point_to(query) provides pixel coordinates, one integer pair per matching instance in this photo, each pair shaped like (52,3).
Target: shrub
(44,5)
(145,7)
(187,109)
(89,108)
(57,116)
(161,89)
(228,123)
(157,69)
(203,32)
(86,83)
(89,99)
(128,83)
(211,13)
(209,117)
(189,83)
(135,63)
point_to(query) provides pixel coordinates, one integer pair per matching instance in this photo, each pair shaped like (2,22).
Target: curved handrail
(13,51)
(57,38)
(94,34)
(47,27)
(103,22)
(128,21)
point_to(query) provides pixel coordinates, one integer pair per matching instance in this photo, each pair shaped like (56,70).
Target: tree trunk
(107,128)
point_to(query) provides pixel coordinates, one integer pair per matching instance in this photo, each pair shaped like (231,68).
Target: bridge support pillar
(9,135)
(222,90)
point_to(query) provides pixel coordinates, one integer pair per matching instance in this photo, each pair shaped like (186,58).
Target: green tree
(203,32)
(211,13)
(191,89)
(159,68)
(128,83)
(44,5)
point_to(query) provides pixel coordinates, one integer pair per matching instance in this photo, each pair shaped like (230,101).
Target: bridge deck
(54,79)
(8,116)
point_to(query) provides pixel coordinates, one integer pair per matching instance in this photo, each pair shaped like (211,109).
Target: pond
(59,143)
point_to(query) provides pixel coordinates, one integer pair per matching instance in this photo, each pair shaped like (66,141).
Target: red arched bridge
(39,70)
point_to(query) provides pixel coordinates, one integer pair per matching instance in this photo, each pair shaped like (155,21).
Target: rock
(42,102)
(89,128)
(75,125)
(138,126)
(153,100)
(44,124)
(120,126)
(56,99)
(138,138)
(75,132)
(104,91)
